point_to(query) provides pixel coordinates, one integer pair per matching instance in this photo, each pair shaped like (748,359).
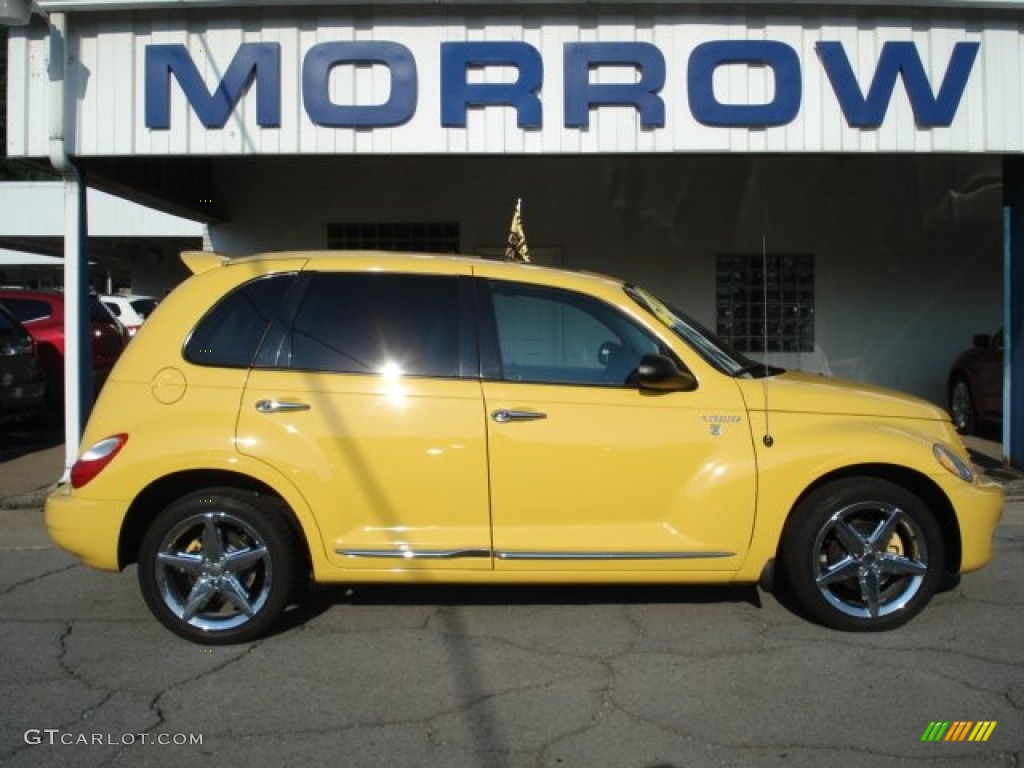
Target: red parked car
(42,314)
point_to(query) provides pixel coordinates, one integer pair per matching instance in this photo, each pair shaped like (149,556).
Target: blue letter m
(259,62)
(898,60)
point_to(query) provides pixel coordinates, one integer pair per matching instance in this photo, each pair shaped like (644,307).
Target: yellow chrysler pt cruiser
(376,417)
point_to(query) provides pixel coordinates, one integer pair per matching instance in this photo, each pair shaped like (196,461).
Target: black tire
(961,406)
(218,566)
(862,555)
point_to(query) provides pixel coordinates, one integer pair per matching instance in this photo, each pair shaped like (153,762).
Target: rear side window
(377,323)
(99,311)
(143,307)
(230,333)
(27,310)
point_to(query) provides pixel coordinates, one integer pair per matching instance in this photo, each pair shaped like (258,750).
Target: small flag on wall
(517,249)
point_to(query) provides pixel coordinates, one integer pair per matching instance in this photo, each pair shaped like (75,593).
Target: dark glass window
(230,333)
(144,307)
(374,323)
(421,237)
(548,335)
(27,310)
(100,312)
(756,307)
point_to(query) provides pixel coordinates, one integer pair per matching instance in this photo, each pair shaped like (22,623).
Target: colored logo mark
(959,730)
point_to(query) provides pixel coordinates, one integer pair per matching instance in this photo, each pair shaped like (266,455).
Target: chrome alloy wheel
(871,559)
(213,571)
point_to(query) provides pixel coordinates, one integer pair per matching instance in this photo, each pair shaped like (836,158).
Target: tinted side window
(230,333)
(144,307)
(99,311)
(371,322)
(27,310)
(548,335)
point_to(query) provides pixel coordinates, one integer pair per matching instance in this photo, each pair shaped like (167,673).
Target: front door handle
(502,416)
(280,406)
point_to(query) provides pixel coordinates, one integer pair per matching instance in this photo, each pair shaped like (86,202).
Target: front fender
(806,449)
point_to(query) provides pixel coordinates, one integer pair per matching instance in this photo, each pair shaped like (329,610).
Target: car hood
(797,392)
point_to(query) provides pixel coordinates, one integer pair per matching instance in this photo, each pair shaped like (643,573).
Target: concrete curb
(31,500)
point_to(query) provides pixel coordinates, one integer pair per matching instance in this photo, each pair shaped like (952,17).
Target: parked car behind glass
(22,383)
(132,310)
(368,417)
(976,384)
(42,314)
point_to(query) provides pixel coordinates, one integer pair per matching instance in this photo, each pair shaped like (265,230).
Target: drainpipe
(14,13)
(77,342)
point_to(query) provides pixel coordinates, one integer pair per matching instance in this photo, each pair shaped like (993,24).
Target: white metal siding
(108,79)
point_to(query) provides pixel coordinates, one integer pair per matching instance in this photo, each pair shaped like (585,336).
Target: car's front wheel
(862,554)
(217,566)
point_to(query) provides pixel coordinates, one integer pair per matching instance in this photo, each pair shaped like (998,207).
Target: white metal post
(77,346)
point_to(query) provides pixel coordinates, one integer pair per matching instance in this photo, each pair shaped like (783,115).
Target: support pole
(77,337)
(1013,311)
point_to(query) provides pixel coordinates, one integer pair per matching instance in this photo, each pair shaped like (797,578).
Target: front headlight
(953,463)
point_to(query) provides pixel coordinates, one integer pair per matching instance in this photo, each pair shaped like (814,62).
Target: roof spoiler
(202,261)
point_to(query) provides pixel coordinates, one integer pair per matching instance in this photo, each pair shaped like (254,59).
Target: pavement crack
(38,577)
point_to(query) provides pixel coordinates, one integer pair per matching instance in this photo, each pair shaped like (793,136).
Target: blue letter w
(898,60)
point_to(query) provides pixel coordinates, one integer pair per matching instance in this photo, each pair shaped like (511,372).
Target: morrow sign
(258,66)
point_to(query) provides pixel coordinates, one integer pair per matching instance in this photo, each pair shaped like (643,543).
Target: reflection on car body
(373,417)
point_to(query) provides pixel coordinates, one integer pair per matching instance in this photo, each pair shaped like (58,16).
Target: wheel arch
(161,492)
(917,483)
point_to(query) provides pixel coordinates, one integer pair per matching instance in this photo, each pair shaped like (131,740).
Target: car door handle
(280,406)
(501,416)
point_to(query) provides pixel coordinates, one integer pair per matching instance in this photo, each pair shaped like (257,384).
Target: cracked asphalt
(652,677)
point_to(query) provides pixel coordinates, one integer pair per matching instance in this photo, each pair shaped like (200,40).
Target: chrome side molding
(610,555)
(452,554)
(415,554)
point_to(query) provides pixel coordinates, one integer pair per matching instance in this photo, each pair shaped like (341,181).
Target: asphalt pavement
(507,677)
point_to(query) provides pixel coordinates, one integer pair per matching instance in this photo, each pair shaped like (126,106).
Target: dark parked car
(976,384)
(22,385)
(42,314)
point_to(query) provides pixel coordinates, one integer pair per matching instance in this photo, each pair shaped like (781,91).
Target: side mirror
(660,373)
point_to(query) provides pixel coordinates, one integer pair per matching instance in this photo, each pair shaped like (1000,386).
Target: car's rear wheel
(218,566)
(961,406)
(862,554)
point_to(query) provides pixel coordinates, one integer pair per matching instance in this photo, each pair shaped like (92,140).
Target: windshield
(712,349)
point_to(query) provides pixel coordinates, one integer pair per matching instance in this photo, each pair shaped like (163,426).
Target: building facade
(824,185)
